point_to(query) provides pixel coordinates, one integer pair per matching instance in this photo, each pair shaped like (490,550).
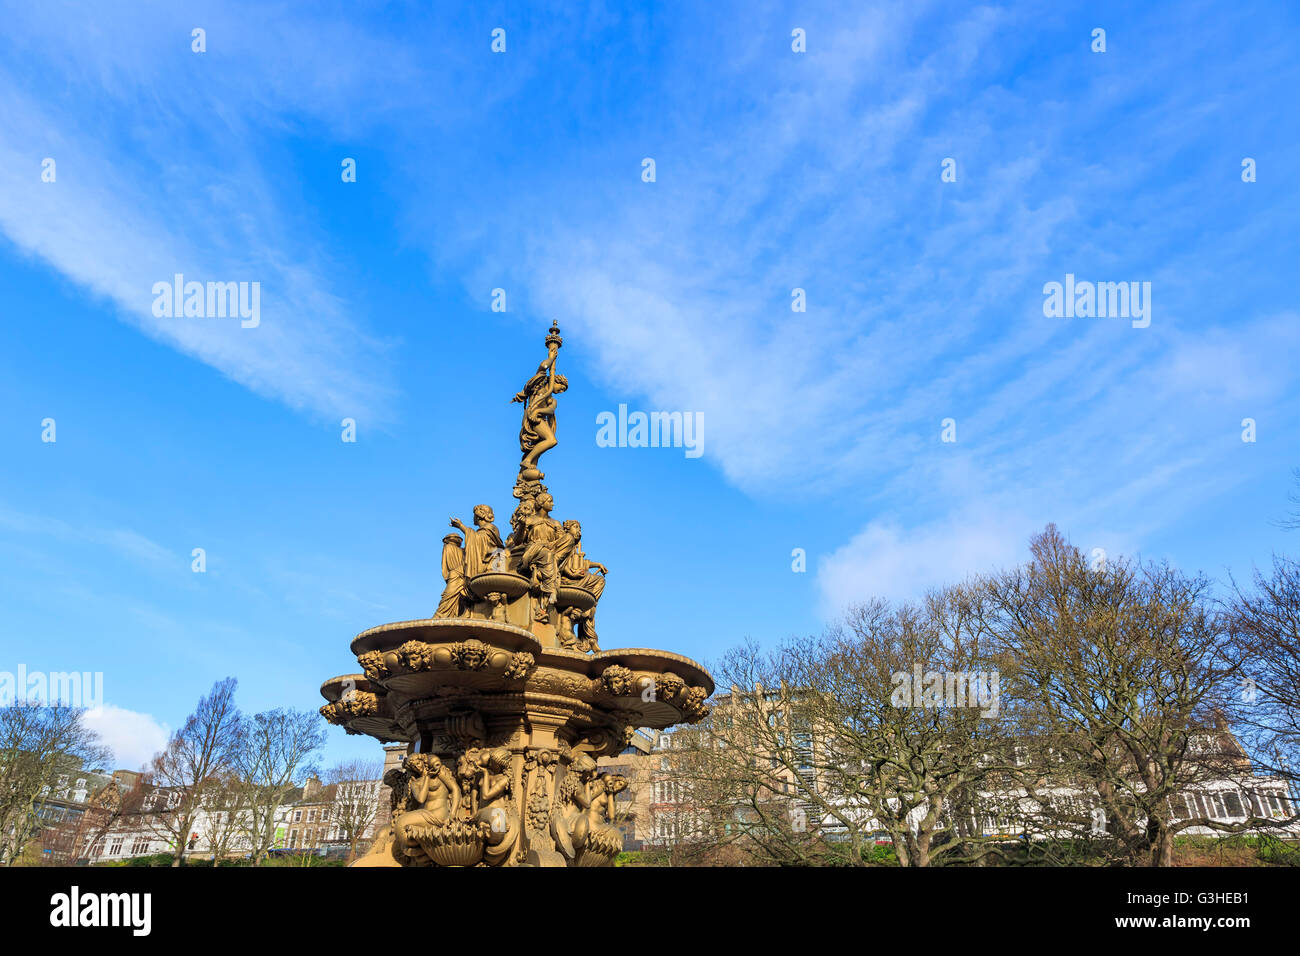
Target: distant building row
(97,817)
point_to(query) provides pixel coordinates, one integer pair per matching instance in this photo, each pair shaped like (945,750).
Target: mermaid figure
(436,798)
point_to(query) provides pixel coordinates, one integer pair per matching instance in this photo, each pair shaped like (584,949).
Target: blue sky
(522,170)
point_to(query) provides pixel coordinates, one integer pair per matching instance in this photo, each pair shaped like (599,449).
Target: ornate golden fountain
(504,698)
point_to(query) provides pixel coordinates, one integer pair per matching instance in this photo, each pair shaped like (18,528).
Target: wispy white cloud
(887,560)
(124,212)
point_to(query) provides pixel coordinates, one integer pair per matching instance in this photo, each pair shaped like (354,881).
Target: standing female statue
(537,433)
(455,596)
(540,543)
(483,544)
(575,570)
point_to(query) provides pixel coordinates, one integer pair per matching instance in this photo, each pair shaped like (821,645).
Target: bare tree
(38,743)
(1266,639)
(276,748)
(887,722)
(353,790)
(222,825)
(190,767)
(1127,669)
(913,710)
(119,803)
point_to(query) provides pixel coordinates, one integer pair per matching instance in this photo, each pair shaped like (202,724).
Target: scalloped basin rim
(432,630)
(636,658)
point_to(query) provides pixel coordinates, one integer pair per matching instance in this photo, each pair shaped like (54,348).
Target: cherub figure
(520,522)
(607,788)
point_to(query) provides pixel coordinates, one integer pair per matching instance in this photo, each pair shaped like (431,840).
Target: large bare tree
(1127,671)
(191,767)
